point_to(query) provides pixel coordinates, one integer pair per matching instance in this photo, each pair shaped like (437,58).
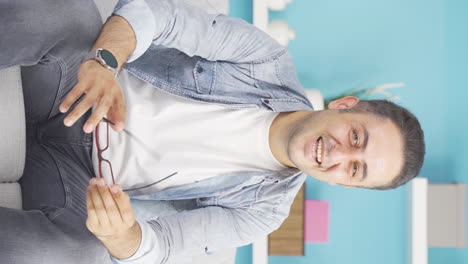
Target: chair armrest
(12,125)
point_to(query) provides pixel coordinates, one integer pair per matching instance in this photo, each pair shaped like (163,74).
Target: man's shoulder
(271,197)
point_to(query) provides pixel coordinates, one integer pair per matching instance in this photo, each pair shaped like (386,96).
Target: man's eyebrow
(366,138)
(364,146)
(364,172)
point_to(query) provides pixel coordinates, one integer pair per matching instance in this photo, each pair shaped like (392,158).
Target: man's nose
(344,155)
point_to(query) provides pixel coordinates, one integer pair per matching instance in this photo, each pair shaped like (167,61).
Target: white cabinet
(447,215)
(437,217)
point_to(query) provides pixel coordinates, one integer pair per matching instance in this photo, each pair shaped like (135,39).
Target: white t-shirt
(170,134)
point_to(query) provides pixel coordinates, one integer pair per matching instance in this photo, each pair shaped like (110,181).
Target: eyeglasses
(105,167)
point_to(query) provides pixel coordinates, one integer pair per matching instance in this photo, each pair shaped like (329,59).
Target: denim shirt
(211,58)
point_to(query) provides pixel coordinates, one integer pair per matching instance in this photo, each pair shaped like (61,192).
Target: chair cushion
(12,125)
(10,195)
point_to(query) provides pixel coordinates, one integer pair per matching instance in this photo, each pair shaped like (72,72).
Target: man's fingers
(118,111)
(118,114)
(73,96)
(98,113)
(101,89)
(98,204)
(85,104)
(92,222)
(109,204)
(123,202)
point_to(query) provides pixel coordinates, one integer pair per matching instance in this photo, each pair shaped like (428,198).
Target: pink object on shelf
(316,221)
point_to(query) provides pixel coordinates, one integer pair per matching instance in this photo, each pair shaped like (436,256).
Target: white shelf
(260,14)
(260,251)
(418,221)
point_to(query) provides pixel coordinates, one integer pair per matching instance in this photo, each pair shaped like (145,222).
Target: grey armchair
(12,137)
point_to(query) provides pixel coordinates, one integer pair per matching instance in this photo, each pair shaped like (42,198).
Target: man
(215,121)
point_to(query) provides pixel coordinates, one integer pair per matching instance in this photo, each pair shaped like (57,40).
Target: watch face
(109,58)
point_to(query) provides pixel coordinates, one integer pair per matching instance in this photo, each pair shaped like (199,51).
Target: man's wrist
(125,245)
(117,37)
(105,58)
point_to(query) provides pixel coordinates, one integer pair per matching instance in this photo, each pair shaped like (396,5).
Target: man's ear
(344,103)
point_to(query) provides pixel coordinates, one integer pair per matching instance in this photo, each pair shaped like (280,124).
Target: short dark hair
(411,132)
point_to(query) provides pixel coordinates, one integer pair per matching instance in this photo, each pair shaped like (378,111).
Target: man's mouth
(316,150)
(318,154)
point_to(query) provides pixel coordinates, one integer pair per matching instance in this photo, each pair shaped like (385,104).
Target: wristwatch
(105,58)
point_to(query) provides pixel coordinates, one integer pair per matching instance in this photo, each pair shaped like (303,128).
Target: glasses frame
(101,159)
(101,150)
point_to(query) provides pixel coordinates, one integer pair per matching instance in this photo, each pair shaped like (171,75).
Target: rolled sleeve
(141,19)
(175,24)
(148,251)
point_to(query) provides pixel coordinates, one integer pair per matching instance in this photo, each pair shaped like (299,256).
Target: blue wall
(343,44)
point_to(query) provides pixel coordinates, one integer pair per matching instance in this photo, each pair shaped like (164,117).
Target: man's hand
(101,89)
(111,219)
(98,83)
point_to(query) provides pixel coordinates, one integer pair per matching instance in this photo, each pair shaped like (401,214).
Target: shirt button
(199,69)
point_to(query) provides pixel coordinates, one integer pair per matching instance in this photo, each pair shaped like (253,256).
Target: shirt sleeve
(193,31)
(141,19)
(197,232)
(146,253)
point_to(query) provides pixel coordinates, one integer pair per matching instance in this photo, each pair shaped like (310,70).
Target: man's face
(352,149)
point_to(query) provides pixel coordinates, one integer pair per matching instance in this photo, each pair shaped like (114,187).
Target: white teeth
(319,150)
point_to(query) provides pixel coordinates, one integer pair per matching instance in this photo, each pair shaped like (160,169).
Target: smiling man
(208,117)
(369,144)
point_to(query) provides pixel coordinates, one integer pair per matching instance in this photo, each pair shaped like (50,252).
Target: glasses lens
(106,171)
(102,133)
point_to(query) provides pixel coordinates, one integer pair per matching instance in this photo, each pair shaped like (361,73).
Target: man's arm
(168,238)
(98,83)
(118,37)
(200,231)
(170,23)
(195,32)
(111,219)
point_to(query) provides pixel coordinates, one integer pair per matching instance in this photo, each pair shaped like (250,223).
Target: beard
(302,132)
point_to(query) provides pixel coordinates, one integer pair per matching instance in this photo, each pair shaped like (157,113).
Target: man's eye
(355,138)
(355,169)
